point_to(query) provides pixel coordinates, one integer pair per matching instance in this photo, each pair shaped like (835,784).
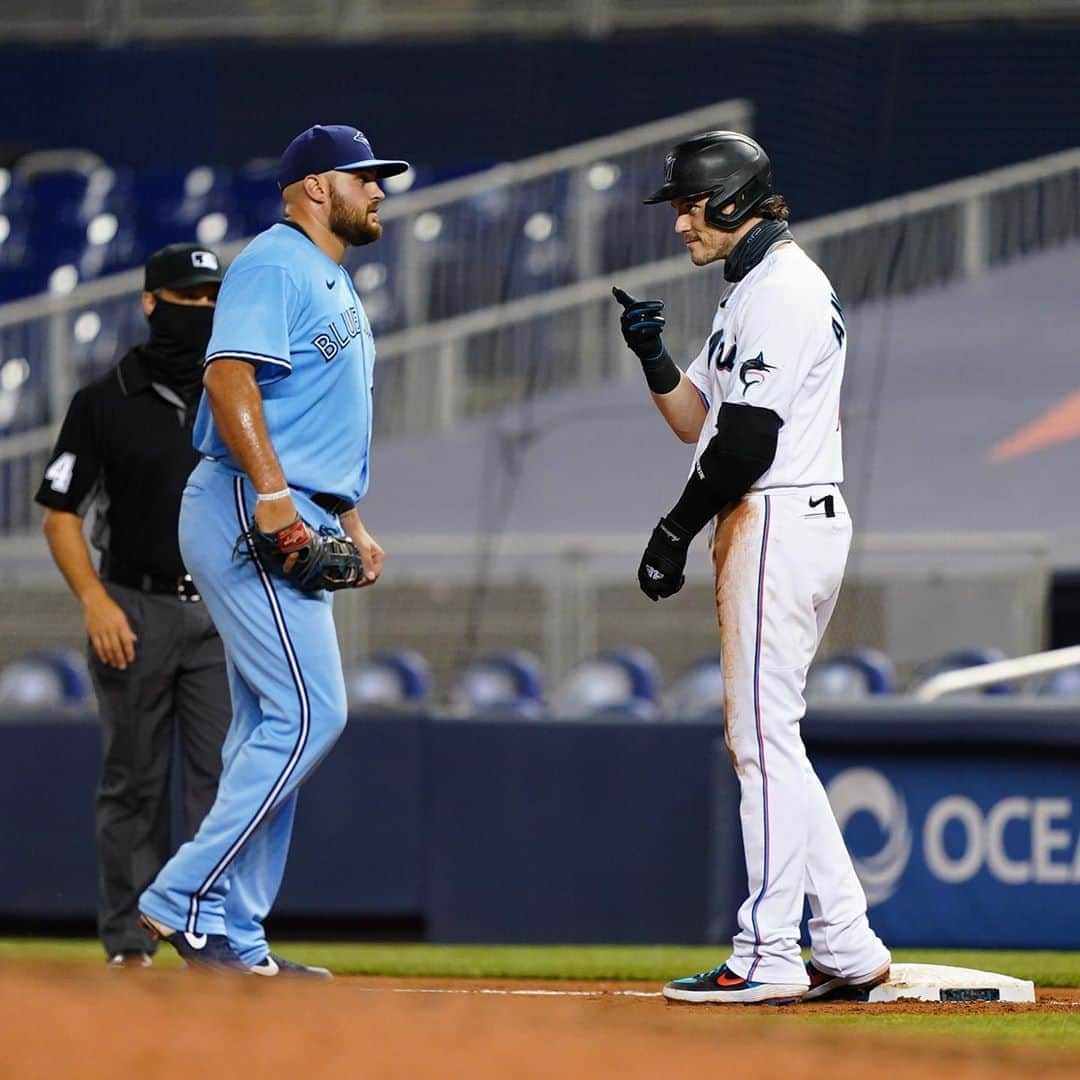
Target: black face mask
(179,334)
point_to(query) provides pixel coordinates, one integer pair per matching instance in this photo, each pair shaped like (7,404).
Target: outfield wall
(964,821)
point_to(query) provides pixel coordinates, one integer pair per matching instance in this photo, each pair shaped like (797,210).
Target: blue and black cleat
(274,966)
(719,986)
(201,952)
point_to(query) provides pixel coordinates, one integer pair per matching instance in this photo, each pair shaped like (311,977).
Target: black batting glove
(660,574)
(642,324)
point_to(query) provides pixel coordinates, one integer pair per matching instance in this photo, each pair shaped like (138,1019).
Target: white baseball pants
(779,562)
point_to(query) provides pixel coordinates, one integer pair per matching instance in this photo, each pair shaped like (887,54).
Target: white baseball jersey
(779,341)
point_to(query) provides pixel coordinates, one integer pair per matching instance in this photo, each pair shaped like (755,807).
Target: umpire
(156,660)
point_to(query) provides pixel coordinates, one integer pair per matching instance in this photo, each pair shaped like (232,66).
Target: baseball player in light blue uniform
(284,429)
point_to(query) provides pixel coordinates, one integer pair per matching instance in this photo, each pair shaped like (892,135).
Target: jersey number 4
(60,472)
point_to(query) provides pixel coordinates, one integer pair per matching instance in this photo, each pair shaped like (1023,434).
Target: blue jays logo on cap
(330,147)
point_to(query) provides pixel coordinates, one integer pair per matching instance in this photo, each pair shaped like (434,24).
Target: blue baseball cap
(329,147)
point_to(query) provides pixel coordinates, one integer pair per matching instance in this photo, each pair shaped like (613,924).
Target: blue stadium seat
(1064,683)
(958,661)
(509,682)
(13,192)
(57,198)
(849,675)
(391,681)
(172,205)
(99,336)
(374,275)
(256,195)
(622,683)
(698,693)
(50,679)
(541,255)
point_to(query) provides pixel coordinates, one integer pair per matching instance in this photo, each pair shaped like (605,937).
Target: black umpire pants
(175,690)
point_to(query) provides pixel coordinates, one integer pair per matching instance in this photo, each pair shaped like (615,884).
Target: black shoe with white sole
(130,961)
(274,966)
(824,986)
(202,952)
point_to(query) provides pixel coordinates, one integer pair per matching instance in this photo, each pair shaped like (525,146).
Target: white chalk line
(496,992)
(506,993)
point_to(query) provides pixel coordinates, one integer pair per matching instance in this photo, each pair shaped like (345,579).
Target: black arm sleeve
(75,466)
(738,454)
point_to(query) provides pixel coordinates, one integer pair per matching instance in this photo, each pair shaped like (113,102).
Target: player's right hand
(110,633)
(660,574)
(642,323)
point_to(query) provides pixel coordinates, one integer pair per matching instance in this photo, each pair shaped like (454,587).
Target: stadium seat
(256,195)
(391,681)
(50,679)
(375,277)
(174,207)
(622,684)
(509,683)
(958,661)
(698,693)
(850,675)
(1064,683)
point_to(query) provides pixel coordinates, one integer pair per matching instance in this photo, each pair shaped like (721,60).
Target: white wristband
(272,496)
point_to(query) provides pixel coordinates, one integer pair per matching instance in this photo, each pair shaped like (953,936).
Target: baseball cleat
(723,987)
(130,961)
(824,986)
(274,966)
(201,952)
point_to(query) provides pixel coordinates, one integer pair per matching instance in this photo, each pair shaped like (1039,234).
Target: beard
(704,253)
(351,226)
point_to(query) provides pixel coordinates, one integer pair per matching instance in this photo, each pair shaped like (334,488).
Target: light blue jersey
(292,311)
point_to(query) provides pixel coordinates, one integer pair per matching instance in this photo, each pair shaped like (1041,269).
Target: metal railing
(435,375)
(367,20)
(1020,667)
(446,371)
(566,597)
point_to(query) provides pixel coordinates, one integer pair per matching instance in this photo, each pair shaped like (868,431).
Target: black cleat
(824,986)
(201,952)
(274,966)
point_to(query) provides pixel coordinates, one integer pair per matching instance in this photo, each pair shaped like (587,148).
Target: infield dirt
(59,1022)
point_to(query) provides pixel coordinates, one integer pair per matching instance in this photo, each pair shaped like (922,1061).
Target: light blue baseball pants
(288,699)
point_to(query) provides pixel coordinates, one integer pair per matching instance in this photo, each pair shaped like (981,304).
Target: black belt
(181,587)
(332,504)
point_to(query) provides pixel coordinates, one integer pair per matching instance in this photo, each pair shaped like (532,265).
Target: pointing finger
(623,297)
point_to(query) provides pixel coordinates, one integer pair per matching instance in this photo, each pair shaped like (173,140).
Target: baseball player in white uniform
(761,401)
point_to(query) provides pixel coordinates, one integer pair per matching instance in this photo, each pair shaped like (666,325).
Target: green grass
(1056,1030)
(652,963)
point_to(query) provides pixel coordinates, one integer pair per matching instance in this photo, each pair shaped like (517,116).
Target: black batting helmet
(727,166)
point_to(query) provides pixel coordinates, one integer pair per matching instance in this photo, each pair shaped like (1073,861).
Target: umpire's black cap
(180,266)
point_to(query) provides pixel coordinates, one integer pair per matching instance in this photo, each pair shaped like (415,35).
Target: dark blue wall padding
(617,832)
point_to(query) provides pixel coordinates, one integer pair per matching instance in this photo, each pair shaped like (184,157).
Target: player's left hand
(660,574)
(370,551)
